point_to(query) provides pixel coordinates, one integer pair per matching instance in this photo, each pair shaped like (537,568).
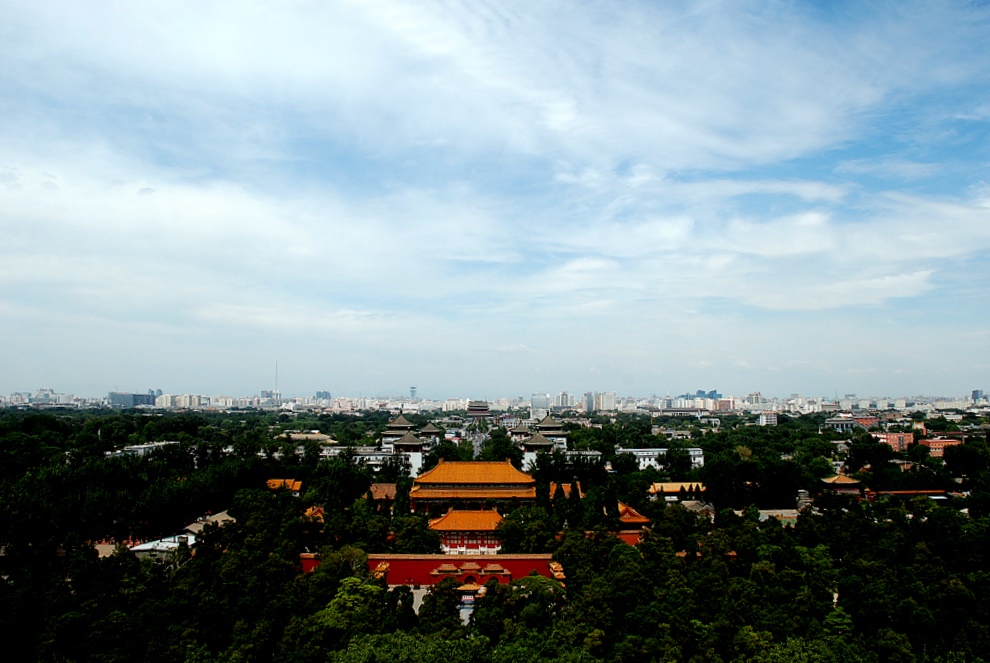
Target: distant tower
(412,393)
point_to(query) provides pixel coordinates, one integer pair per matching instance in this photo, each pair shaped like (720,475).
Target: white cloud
(453,175)
(889,168)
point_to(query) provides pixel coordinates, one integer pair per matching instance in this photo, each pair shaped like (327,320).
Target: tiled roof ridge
(474,472)
(840,478)
(467,520)
(400,421)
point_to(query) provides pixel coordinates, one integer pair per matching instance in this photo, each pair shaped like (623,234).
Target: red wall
(416,569)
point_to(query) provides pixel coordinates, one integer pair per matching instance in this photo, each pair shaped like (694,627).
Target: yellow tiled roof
(631,516)
(475,472)
(566,487)
(454,493)
(291,484)
(675,487)
(445,568)
(840,478)
(466,521)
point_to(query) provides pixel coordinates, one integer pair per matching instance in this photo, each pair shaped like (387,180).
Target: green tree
(440,612)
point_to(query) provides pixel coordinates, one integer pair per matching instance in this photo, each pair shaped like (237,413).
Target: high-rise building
(539,405)
(606,401)
(120,399)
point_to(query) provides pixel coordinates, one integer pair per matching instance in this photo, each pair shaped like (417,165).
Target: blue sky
(486,198)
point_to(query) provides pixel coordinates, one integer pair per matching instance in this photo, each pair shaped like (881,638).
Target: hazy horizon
(525,395)
(473,197)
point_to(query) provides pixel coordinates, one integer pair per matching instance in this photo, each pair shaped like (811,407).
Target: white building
(652,457)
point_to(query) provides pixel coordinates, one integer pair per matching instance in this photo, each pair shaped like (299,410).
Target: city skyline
(538,401)
(470,197)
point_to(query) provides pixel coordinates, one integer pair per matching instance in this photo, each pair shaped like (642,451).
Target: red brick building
(897,441)
(938,445)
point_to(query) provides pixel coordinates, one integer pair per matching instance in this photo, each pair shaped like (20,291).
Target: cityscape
(495,332)
(540,404)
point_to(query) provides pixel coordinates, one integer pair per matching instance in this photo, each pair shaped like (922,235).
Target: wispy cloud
(547,182)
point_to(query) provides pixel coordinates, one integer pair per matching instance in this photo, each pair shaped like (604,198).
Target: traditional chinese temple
(471,485)
(842,484)
(468,532)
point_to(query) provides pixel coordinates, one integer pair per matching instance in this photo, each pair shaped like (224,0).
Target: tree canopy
(852,580)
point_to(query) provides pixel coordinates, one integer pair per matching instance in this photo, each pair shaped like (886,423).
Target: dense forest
(851,580)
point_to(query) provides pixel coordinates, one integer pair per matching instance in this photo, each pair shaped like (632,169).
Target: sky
(489,198)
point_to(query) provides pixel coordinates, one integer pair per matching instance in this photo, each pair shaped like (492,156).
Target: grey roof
(167,544)
(409,438)
(538,440)
(219,518)
(400,422)
(549,423)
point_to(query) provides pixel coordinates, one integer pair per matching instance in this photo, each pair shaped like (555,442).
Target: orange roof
(291,484)
(675,487)
(475,472)
(445,568)
(453,493)
(630,516)
(466,521)
(566,487)
(841,479)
